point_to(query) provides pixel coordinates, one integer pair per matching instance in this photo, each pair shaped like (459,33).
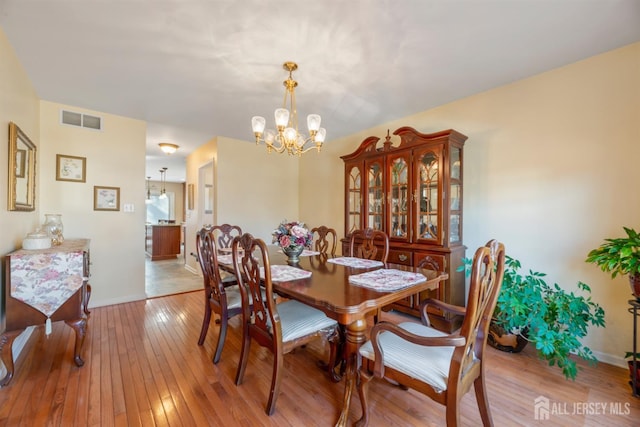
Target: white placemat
(356,262)
(284,273)
(385,280)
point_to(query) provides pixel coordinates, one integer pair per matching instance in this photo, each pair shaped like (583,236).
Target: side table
(44,286)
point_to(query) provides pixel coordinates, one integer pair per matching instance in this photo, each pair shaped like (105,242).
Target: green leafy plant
(618,256)
(548,316)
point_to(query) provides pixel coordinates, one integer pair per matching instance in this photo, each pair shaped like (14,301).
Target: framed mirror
(22,171)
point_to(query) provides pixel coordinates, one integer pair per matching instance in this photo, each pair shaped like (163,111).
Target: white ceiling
(195,69)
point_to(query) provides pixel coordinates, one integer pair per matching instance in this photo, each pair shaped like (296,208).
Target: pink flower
(284,241)
(297,231)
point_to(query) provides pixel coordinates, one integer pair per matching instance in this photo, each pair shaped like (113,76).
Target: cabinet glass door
(400,196)
(354,197)
(375,196)
(455,206)
(428,196)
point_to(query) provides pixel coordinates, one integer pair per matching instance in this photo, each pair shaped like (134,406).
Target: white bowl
(36,240)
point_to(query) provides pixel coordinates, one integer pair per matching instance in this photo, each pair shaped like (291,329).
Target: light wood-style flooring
(168,277)
(144,367)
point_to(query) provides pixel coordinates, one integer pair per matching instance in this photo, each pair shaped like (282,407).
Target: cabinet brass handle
(402,257)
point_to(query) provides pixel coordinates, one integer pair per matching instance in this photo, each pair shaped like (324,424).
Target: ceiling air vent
(81,120)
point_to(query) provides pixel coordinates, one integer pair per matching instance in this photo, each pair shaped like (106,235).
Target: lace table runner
(385,280)
(356,262)
(46,280)
(284,273)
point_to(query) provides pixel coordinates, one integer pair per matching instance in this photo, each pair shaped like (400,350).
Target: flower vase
(293,253)
(53,226)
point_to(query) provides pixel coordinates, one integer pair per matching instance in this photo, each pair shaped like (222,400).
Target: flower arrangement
(292,235)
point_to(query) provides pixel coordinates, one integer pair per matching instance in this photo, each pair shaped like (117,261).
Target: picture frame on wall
(21,156)
(106,198)
(71,168)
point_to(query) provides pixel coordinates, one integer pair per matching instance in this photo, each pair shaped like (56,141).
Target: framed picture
(190,196)
(21,156)
(106,198)
(71,168)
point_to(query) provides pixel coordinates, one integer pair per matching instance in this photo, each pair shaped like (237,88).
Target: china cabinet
(44,286)
(412,192)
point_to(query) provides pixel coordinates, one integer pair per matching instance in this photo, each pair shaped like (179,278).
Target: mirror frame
(15,134)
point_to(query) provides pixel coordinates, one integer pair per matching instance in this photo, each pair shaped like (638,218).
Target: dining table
(332,288)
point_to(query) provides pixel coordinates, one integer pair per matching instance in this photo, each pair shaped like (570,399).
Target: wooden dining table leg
(6,355)
(355,337)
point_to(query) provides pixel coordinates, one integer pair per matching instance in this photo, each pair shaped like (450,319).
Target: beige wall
(550,169)
(115,158)
(19,104)
(251,188)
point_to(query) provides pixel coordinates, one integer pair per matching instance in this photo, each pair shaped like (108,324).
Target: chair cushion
(234,299)
(227,277)
(425,363)
(298,319)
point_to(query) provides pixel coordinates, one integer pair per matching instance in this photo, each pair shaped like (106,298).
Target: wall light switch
(128,207)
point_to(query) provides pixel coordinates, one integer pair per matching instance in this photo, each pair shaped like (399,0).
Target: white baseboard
(191,269)
(611,359)
(16,348)
(111,301)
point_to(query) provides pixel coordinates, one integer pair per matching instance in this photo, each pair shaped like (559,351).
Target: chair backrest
(367,247)
(487,273)
(327,240)
(208,259)
(225,234)
(253,288)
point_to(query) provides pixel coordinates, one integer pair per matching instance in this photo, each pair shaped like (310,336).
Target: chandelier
(286,137)
(148,199)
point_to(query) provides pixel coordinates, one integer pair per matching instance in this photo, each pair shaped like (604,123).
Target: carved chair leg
(453,412)
(244,354)
(483,402)
(336,340)
(222,335)
(205,323)
(365,377)
(275,382)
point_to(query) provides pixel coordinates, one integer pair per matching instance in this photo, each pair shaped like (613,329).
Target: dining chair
(439,365)
(224,234)
(225,301)
(326,241)
(280,327)
(362,244)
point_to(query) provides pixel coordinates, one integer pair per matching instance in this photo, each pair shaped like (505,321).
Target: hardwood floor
(143,367)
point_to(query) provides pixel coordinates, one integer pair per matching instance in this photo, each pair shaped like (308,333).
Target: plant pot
(630,363)
(634,282)
(504,341)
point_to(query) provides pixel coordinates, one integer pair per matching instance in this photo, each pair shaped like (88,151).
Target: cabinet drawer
(400,257)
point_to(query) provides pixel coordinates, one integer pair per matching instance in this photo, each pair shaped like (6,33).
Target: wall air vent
(81,120)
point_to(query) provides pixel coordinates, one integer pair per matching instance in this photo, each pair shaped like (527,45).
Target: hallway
(168,277)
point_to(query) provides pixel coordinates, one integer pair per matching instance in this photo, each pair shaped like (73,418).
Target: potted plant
(530,310)
(620,256)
